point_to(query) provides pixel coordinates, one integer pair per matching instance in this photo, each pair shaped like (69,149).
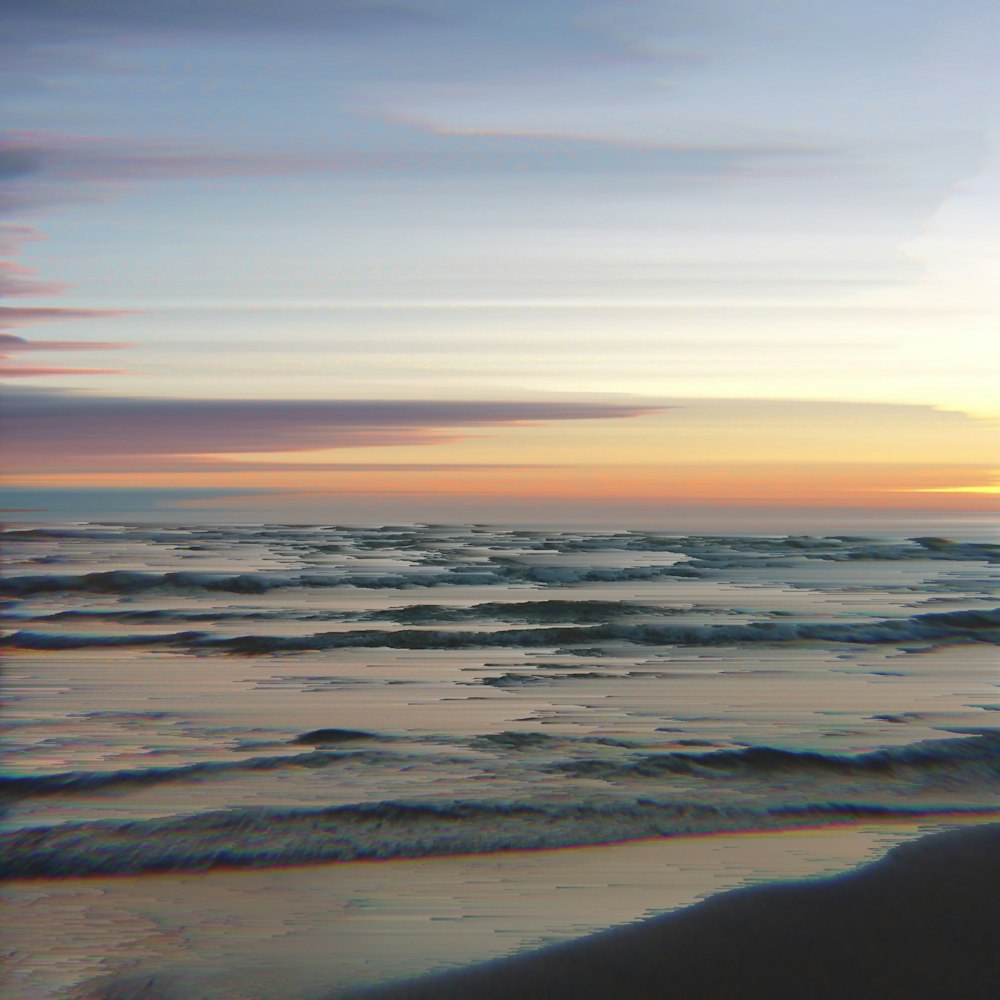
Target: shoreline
(919,923)
(311,932)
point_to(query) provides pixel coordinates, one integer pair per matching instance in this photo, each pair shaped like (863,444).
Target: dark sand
(924,922)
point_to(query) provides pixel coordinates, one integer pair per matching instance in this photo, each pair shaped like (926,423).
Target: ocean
(279,707)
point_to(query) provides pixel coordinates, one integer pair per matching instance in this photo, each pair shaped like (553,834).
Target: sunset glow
(593,255)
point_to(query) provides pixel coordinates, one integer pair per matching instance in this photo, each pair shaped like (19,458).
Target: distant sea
(184,699)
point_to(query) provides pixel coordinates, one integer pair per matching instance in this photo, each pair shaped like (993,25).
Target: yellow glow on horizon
(986,490)
(871,485)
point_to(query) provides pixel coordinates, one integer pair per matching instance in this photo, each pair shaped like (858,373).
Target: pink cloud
(10,342)
(15,316)
(17,280)
(11,238)
(13,371)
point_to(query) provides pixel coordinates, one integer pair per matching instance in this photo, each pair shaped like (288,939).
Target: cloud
(230,16)
(556,30)
(41,424)
(11,238)
(18,161)
(11,371)
(10,342)
(45,170)
(15,316)
(406,44)
(45,39)
(16,280)
(98,159)
(213,463)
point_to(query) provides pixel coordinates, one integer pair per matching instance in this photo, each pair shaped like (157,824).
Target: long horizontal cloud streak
(96,159)
(10,344)
(39,371)
(214,464)
(29,16)
(558,31)
(13,316)
(107,425)
(16,280)
(40,168)
(53,37)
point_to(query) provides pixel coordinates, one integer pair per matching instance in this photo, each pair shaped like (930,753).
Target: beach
(298,761)
(499,500)
(919,924)
(318,931)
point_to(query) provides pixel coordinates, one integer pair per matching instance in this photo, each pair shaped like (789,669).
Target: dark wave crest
(494,572)
(967,760)
(973,758)
(534,612)
(954,626)
(255,838)
(84,782)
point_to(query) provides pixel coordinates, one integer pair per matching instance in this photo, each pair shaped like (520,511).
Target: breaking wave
(255,838)
(974,758)
(582,611)
(492,573)
(954,626)
(970,759)
(84,782)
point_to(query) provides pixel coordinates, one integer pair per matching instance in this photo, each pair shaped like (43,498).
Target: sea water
(227,699)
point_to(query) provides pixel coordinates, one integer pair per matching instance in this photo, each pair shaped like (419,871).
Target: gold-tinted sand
(300,932)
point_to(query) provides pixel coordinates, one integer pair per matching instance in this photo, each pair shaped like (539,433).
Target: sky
(610,261)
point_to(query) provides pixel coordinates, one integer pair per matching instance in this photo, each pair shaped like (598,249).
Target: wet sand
(311,931)
(921,923)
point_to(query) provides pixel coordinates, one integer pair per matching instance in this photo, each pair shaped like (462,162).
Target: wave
(971,759)
(934,628)
(711,550)
(325,737)
(510,739)
(134,582)
(511,680)
(464,539)
(124,615)
(582,611)
(756,552)
(975,758)
(85,782)
(487,574)
(255,838)
(516,740)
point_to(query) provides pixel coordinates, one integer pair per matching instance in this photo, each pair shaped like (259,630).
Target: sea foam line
(256,838)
